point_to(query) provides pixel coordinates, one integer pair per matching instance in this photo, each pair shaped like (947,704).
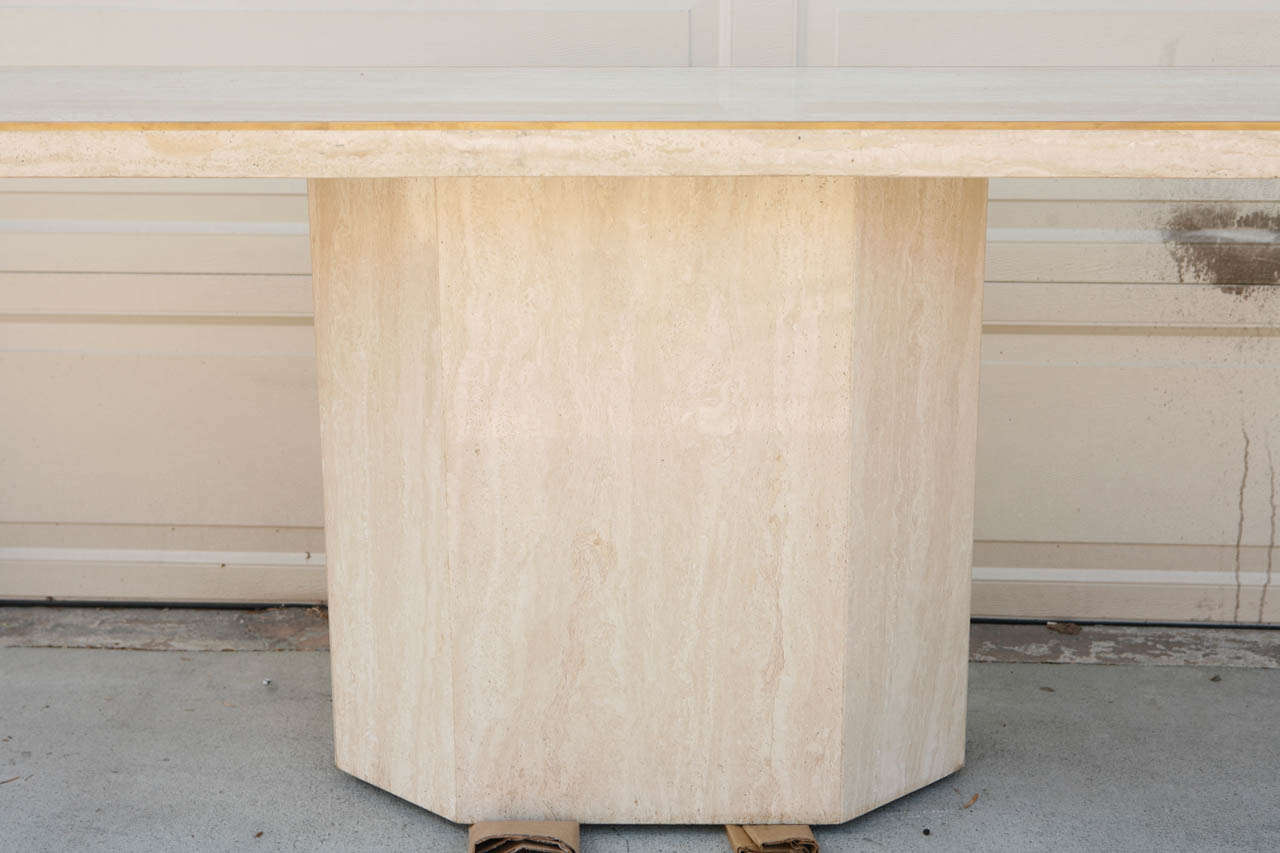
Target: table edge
(83,126)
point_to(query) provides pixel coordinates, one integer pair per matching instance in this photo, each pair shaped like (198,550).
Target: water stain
(1223,246)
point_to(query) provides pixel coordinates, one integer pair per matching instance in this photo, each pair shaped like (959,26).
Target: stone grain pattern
(1009,152)
(649,500)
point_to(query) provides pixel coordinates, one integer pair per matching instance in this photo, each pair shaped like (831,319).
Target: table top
(740,95)
(1193,122)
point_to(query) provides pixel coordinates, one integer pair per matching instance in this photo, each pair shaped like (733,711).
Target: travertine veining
(648,499)
(1006,152)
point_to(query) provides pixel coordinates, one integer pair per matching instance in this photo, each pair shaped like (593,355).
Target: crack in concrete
(1244,481)
(1271,542)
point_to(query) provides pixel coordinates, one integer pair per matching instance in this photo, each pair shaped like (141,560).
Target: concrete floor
(144,750)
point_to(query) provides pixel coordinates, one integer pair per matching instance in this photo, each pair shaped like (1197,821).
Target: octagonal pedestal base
(649,500)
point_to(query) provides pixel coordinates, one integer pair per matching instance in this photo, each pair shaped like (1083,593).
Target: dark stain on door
(1221,245)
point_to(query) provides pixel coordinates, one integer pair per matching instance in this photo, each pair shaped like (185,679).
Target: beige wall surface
(158,416)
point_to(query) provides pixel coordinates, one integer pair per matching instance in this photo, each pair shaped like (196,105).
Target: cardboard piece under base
(771,839)
(524,836)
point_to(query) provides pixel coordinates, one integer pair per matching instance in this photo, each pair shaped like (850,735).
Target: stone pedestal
(649,500)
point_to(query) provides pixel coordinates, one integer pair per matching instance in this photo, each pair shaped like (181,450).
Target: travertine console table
(648,398)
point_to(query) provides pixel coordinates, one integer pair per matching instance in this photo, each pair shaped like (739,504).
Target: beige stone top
(1168,122)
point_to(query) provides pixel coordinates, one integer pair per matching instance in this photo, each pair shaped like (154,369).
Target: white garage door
(158,434)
